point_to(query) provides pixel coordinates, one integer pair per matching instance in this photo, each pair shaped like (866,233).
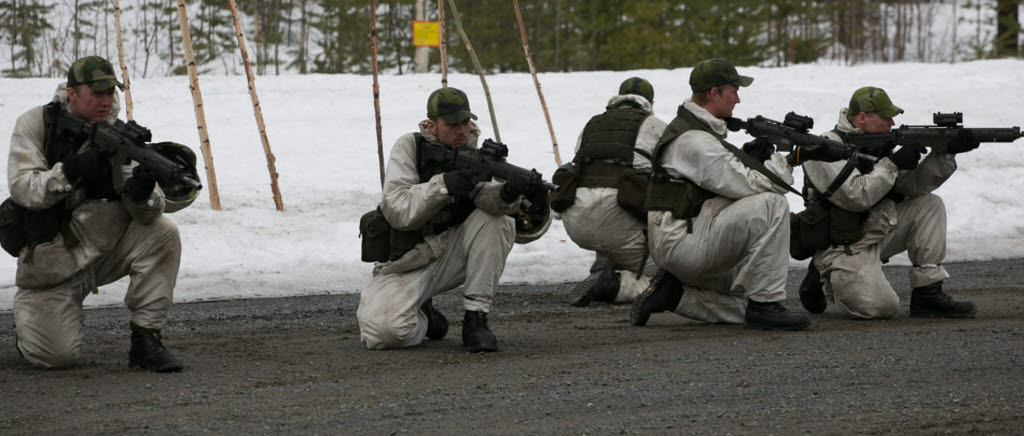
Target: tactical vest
(845,227)
(680,196)
(452,215)
(607,146)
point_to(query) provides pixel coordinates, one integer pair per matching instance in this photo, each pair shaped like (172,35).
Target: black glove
(140,186)
(963,143)
(89,165)
(906,158)
(865,165)
(824,153)
(759,149)
(511,190)
(459,182)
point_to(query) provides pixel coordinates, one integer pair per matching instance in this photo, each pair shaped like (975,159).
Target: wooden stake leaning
(197,99)
(533,72)
(376,87)
(124,70)
(476,64)
(256,110)
(442,43)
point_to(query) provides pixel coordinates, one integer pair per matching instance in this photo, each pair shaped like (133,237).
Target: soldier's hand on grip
(759,149)
(88,165)
(459,182)
(140,185)
(963,143)
(906,158)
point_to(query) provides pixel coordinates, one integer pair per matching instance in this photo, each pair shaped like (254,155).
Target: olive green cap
(637,86)
(95,72)
(716,72)
(870,99)
(450,104)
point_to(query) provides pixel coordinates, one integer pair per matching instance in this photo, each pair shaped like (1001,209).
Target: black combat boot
(437,324)
(773,316)
(605,288)
(148,352)
(662,295)
(930,302)
(812,295)
(475,334)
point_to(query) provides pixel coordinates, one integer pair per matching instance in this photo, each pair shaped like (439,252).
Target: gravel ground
(296,365)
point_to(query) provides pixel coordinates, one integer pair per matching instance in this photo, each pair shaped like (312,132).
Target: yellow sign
(425,34)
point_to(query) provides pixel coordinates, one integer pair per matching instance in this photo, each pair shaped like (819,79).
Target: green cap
(450,104)
(95,72)
(637,86)
(870,99)
(716,72)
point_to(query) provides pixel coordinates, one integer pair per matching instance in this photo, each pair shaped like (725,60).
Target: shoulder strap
(744,158)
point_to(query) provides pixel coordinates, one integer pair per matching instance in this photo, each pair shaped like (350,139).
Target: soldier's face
(873,123)
(90,105)
(722,100)
(452,135)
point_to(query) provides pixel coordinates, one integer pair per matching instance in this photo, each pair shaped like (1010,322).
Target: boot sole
(637,315)
(790,328)
(943,315)
(482,349)
(132,363)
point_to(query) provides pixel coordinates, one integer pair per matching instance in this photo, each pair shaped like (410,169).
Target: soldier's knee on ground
(394,333)
(862,298)
(57,357)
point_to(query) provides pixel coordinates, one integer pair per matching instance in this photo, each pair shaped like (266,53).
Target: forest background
(40,38)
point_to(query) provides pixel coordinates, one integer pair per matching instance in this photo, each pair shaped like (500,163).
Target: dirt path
(296,365)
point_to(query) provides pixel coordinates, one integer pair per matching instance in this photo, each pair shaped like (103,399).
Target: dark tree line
(41,37)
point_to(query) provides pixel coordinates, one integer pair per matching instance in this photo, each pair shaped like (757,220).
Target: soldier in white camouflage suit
(897,212)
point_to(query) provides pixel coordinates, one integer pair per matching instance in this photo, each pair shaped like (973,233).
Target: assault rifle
(948,128)
(486,162)
(128,141)
(795,130)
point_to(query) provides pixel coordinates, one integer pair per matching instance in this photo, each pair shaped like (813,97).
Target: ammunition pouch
(681,197)
(809,231)
(632,196)
(383,243)
(12,227)
(845,227)
(567,177)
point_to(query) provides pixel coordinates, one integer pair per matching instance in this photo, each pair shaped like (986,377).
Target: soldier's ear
(431,127)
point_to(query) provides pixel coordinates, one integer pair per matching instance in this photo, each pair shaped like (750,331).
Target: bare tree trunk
(303,32)
(476,64)
(124,69)
(443,43)
(76,35)
(1007,28)
(256,110)
(197,100)
(376,88)
(533,72)
(421,59)
(953,44)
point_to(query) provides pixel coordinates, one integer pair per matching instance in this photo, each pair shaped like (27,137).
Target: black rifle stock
(128,141)
(487,162)
(947,128)
(792,132)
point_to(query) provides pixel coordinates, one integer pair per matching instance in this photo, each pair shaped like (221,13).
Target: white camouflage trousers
(855,282)
(738,249)
(472,254)
(604,227)
(48,322)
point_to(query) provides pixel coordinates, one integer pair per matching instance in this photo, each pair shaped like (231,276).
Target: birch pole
(443,43)
(197,99)
(476,64)
(533,72)
(124,69)
(376,88)
(256,110)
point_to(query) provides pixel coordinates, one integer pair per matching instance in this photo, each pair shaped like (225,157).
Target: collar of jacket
(844,125)
(716,124)
(630,98)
